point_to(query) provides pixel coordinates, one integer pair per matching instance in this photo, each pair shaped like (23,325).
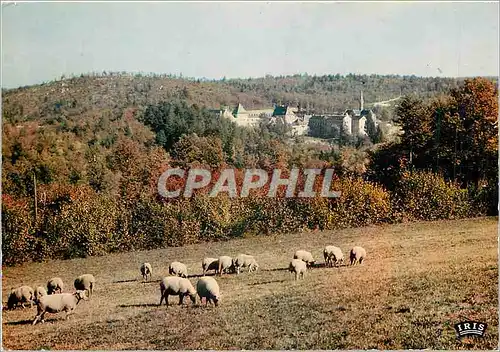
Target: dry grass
(418,280)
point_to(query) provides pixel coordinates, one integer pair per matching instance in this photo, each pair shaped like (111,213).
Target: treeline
(96,175)
(454,135)
(337,92)
(108,91)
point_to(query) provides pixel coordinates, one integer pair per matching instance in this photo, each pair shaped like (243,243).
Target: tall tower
(361,101)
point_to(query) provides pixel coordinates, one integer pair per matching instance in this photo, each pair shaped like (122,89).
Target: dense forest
(79,95)
(82,156)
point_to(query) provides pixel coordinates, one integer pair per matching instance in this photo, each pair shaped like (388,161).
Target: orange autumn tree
(455,135)
(474,111)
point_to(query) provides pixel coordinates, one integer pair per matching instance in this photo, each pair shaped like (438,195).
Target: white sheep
(244,260)
(299,267)
(209,264)
(226,263)
(209,289)
(357,255)
(178,269)
(39,292)
(55,285)
(333,255)
(176,286)
(20,295)
(146,271)
(304,256)
(85,282)
(58,303)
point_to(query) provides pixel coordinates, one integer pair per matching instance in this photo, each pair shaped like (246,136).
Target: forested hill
(81,160)
(78,95)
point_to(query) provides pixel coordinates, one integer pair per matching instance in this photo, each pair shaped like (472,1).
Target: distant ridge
(112,90)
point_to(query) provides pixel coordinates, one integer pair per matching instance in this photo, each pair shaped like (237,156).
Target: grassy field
(417,281)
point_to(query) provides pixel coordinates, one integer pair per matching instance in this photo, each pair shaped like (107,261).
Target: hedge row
(88,223)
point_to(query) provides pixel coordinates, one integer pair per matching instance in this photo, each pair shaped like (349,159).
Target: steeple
(361,101)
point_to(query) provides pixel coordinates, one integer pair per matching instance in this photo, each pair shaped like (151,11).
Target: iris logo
(470,328)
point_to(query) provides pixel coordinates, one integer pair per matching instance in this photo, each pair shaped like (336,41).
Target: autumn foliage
(96,175)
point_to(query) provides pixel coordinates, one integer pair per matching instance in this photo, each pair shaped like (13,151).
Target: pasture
(418,280)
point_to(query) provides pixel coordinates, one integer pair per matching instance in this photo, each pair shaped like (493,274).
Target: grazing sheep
(85,282)
(209,264)
(333,255)
(298,267)
(209,288)
(178,269)
(357,255)
(304,256)
(176,286)
(55,285)
(226,263)
(244,260)
(39,292)
(20,295)
(57,303)
(146,271)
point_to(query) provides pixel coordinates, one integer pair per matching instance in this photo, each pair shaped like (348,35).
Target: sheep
(226,263)
(333,255)
(20,295)
(39,292)
(55,285)
(85,282)
(146,270)
(209,264)
(209,288)
(299,267)
(304,256)
(57,303)
(357,255)
(178,269)
(244,260)
(176,286)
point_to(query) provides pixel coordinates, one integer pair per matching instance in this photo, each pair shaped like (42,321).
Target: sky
(42,41)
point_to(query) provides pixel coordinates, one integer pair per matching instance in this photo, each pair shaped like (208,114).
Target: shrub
(85,227)
(270,215)
(147,224)
(484,199)
(426,196)
(18,241)
(361,203)
(78,222)
(311,213)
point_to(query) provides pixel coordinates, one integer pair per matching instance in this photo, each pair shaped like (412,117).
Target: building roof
(239,110)
(282,111)
(279,111)
(359,113)
(336,116)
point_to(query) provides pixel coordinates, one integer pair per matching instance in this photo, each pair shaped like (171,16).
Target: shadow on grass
(159,280)
(21,322)
(143,305)
(313,266)
(124,281)
(135,280)
(18,307)
(278,269)
(318,265)
(323,265)
(266,282)
(200,275)
(172,303)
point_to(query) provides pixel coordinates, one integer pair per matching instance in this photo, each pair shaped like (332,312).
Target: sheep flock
(55,300)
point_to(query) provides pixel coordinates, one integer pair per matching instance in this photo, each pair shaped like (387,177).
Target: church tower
(361,101)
